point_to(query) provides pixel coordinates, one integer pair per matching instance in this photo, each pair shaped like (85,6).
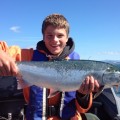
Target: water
(117,89)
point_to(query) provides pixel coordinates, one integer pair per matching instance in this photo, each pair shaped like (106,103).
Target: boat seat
(96,105)
(12,106)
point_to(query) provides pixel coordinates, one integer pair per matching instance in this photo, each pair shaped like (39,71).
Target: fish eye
(111,69)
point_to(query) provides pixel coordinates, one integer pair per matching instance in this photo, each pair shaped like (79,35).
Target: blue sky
(94,24)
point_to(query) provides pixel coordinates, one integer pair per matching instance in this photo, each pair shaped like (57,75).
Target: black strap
(53,111)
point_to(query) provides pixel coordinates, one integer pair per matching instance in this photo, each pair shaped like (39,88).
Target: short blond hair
(56,20)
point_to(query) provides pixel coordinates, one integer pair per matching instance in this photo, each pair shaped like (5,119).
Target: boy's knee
(91,116)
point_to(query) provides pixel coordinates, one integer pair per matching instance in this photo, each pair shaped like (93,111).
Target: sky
(94,24)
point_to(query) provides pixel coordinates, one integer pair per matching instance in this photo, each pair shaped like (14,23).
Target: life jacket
(36,95)
(34,110)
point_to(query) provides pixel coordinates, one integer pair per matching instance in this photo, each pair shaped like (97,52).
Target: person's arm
(8,57)
(84,94)
(83,100)
(84,103)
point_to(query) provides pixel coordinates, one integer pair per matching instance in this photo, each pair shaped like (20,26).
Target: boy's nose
(55,38)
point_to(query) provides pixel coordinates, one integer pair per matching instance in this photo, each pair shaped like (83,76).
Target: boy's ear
(67,39)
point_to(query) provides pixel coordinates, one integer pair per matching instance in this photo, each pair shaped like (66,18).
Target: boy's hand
(89,85)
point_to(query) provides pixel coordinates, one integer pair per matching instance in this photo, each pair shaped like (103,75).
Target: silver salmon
(68,75)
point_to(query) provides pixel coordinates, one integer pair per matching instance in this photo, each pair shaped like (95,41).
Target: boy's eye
(49,36)
(59,36)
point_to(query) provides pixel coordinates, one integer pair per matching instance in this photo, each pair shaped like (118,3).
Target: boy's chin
(57,52)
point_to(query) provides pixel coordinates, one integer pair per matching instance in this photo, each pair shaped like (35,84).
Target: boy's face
(55,39)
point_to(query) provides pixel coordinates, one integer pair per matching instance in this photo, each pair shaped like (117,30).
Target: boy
(56,45)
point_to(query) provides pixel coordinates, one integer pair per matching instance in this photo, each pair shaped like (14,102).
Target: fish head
(111,77)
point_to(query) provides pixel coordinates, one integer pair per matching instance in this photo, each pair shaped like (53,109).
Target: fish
(67,75)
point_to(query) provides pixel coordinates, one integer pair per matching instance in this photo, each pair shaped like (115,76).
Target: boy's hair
(56,20)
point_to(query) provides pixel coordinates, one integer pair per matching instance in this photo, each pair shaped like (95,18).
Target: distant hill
(115,62)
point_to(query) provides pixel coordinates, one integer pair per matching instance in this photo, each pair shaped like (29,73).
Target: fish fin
(21,83)
(116,88)
(98,93)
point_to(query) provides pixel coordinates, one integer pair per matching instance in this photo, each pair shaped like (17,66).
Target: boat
(107,105)
(12,107)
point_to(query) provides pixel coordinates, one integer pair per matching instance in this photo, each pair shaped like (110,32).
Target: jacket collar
(67,50)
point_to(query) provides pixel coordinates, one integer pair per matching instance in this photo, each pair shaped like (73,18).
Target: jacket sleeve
(84,103)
